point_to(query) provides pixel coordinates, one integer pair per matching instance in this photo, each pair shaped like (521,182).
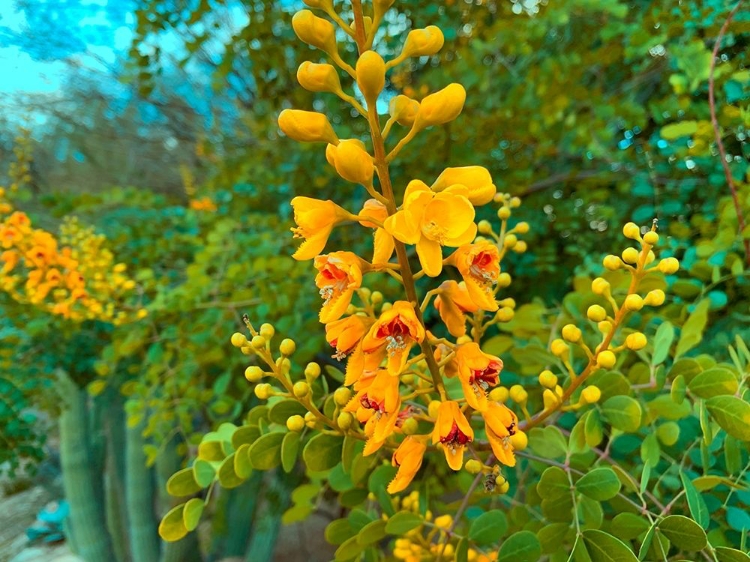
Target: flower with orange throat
(339,275)
(383,242)
(376,404)
(477,371)
(479,265)
(408,458)
(345,336)
(433,220)
(393,335)
(500,423)
(453,303)
(315,220)
(453,431)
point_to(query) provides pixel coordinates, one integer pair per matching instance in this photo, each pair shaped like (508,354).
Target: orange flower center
(336,280)
(486,377)
(396,333)
(370,404)
(480,268)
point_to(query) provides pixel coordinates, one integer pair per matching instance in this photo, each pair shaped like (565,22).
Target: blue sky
(27,69)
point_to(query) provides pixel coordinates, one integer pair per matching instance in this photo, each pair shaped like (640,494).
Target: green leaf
(627,526)
(242,466)
(646,544)
(348,550)
(678,390)
(462,550)
(623,413)
(323,452)
(674,131)
(350,449)
(552,536)
(339,531)
(371,533)
(289,450)
(522,546)
(488,528)
(732,414)
(600,484)
(228,478)
(664,407)
(553,484)
(668,433)
(245,435)
(285,409)
(650,450)
(692,331)
(725,554)
(714,382)
(684,533)
(265,452)
(593,429)
(182,483)
(403,522)
(172,527)
(192,513)
(696,503)
(548,442)
(687,368)
(203,472)
(211,451)
(603,547)
(377,484)
(662,342)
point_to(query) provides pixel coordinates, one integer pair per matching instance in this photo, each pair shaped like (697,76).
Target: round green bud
(410,426)
(484,227)
(505,314)
(514,202)
(520,247)
(344,420)
(504,280)
(376,298)
(510,240)
(522,227)
(312,370)
(503,213)
(342,396)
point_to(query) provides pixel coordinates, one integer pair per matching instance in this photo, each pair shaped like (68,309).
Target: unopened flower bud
(606,359)
(258,342)
(318,77)
(630,255)
(253,373)
(612,262)
(315,31)
(484,227)
(376,298)
(571,333)
(353,163)
(522,227)
(238,339)
(600,286)
(307,126)
(520,247)
(654,298)
(550,399)
(503,488)
(510,240)
(519,440)
(422,42)
(342,395)
(473,466)
(370,72)
(301,389)
(605,326)
(633,302)
(246,349)
(499,394)
(432,408)
(344,420)
(503,213)
(596,313)
(410,426)
(505,314)
(441,107)
(547,379)
(591,394)
(559,348)
(669,266)
(404,110)
(287,347)
(514,202)
(631,230)
(651,238)
(267,331)
(295,423)
(504,280)
(312,371)
(518,394)
(636,341)
(263,391)
(509,302)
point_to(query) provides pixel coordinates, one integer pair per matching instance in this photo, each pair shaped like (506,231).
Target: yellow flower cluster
(394,397)
(19,171)
(74,277)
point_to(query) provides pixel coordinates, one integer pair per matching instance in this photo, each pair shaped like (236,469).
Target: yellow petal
(454,457)
(335,308)
(313,245)
(476,179)
(430,256)
(403,228)
(383,247)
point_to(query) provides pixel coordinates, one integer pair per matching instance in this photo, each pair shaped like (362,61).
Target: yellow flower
(315,220)
(453,303)
(376,404)
(339,275)
(441,107)
(477,371)
(370,72)
(408,458)
(433,220)
(307,126)
(500,423)
(345,336)
(394,334)
(479,265)
(474,178)
(10,259)
(384,244)
(404,110)
(352,161)
(318,77)
(452,429)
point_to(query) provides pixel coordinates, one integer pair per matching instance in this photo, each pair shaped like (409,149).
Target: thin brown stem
(717,130)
